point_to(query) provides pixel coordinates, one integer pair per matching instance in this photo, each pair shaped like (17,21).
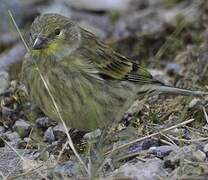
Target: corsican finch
(91,84)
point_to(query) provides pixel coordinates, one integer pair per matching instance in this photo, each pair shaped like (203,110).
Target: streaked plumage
(91,83)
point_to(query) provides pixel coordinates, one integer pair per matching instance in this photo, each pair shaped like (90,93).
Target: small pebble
(199,156)
(205,148)
(194,103)
(49,135)
(44,122)
(59,131)
(162,151)
(12,137)
(67,169)
(22,127)
(2,129)
(4,79)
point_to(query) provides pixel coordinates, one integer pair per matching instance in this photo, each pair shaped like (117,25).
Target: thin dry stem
(205,114)
(62,151)
(149,136)
(188,140)
(21,157)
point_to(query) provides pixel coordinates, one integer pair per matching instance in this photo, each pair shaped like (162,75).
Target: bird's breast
(85,103)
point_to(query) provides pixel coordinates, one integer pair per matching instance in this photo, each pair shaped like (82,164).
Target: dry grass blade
(22,158)
(62,151)
(8,175)
(2,175)
(29,172)
(188,140)
(149,136)
(205,114)
(53,100)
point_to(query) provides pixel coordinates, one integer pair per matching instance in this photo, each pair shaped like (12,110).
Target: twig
(149,136)
(21,157)
(188,140)
(62,151)
(164,141)
(29,172)
(205,113)
(2,175)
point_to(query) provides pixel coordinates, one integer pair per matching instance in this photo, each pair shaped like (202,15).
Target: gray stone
(199,156)
(10,162)
(59,131)
(162,151)
(93,135)
(44,122)
(205,149)
(49,135)
(151,170)
(12,137)
(22,127)
(27,139)
(67,169)
(2,129)
(4,79)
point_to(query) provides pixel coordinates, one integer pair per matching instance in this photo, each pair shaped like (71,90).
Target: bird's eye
(57,31)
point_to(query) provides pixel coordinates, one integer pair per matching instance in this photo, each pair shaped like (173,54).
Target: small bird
(92,84)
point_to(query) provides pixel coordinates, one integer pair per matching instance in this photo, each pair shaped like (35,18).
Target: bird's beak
(40,43)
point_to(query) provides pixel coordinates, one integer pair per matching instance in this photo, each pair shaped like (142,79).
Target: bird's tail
(163,89)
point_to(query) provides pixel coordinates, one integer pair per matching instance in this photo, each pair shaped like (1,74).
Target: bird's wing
(109,64)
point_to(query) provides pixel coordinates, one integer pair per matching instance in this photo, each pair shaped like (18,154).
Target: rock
(10,162)
(162,151)
(49,135)
(4,79)
(199,156)
(2,129)
(144,145)
(44,122)
(67,169)
(196,102)
(173,68)
(189,153)
(93,135)
(27,139)
(205,149)
(183,162)
(12,137)
(151,169)
(59,131)
(22,128)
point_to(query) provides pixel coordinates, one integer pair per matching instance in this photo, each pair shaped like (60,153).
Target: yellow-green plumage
(91,84)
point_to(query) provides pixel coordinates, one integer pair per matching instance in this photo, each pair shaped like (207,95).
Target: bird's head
(54,34)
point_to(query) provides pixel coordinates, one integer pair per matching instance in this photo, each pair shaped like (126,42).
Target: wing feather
(110,64)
